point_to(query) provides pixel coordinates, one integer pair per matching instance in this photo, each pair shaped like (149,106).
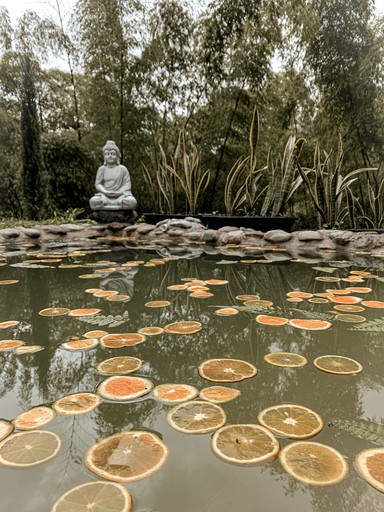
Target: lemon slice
(128,456)
(78,403)
(27,449)
(197,417)
(34,418)
(370,464)
(313,463)
(292,421)
(245,444)
(338,365)
(95,496)
(226,370)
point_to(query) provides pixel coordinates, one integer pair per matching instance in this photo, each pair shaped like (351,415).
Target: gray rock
(10,233)
(181,224)
(309,236)
(278,256)
(340,237)
(210,236)
(232,237)
(143,228)
(195,235)
(175,232)
(277,236)
(55,230)
(31,233)
(227,229)
(109,216)
(194,220)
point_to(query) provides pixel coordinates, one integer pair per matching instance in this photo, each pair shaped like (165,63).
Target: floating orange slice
(359,289)
(286,359)
(89,276)
(127,339)
(196,282)
(245,445)
(128,456)
(247,297)
(78,403)
(201,294)
(186,327)
(124,388)
(119,365)
(95,334)
(338,365)
(226,370)
(328,279)
(352,319)
(313,463)
(54,311)
(157,304)
(349,299)
(151,331)
(30,349)
(349,308)
(300,295)
(359,273)
(226,311)
(318,300)
(118,298)
(10,344)
(337,291)
(174,393)
(92,290)
(274,321)
(85,344)
(177,287)
(84,312)
(373,304)
(216,282)
(258,302)
(27,449)
(94,496)
(34,418)
(370,464)
(9,281)
(295,301)
(310,325)
(6,428)
(353,279)
(9,323)
(197,417)
(105,293)
(219,394)
(291,420)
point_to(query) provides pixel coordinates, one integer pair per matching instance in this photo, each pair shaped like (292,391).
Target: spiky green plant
(368,430)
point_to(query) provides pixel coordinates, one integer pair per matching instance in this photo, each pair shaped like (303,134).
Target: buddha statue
(113,183)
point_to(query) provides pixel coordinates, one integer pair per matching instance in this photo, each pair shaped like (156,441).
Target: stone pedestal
(108,216)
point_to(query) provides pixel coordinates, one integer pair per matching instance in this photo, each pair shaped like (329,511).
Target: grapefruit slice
(197,417)
(128,456)
(54,311)
(75,345)
(226,370)
(95,496)
(274,321)
(174,393)
(121,388)
(313,463)
(78,403)
(34,418)
(370,464)
(219,394)
(338,365)
(6,428)
(27,449)
(186,327)
(292,421)
(286,359)
(127,339)
(310,325)
(119,365)
(245,445)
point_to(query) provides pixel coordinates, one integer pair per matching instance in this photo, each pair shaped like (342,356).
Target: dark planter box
(257,223)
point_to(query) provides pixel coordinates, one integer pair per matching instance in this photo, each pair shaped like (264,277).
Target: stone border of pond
(190,238)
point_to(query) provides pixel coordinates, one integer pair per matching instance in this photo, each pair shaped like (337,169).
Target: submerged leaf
(368,430)
(329,270)
(375,325)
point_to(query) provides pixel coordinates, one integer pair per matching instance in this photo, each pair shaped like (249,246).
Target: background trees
(140,72)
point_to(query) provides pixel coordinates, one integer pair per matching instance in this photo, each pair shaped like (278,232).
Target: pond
(193,478)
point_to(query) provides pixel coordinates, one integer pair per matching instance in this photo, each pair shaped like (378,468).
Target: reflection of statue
(113,183)
(120,281)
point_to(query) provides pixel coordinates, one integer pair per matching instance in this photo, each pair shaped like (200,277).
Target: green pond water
(193,479)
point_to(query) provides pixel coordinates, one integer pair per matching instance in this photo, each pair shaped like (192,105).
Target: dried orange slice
(9,323)
(54,311)
(201,294)
(291,420)
(9,281)
(34,418)
(177,287)
(337,291)
(92,290)
(6,428)
(151,331)
(10,344)
(247,297)
(359,289)
(174,393)
(258,302)
(127,339)
(338,365)
(128,456)
(318,300)
(84,312)
(197,417)
(274,321)
(245,445)
(219,394)
(226,370)
(121,388)
(286,359)
(370,464)
(295,301)
(85,344)
(95,334)
(95,496)
(348,308)
(328,279)
(119,365)
(300,295)
(313,463)
(352,319)
(373,304)
(346,299)
(30,349)
(216,282)
(27,449)
(186,327)
(157,304)
(78,403)
(105,293)
(310,325)
(353,279)
(118,298)
(226,311)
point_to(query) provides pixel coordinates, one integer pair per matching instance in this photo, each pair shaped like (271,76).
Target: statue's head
(111,152)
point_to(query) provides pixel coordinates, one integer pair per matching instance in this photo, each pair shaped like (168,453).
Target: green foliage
(375,325)
(371,212)
(368,430)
